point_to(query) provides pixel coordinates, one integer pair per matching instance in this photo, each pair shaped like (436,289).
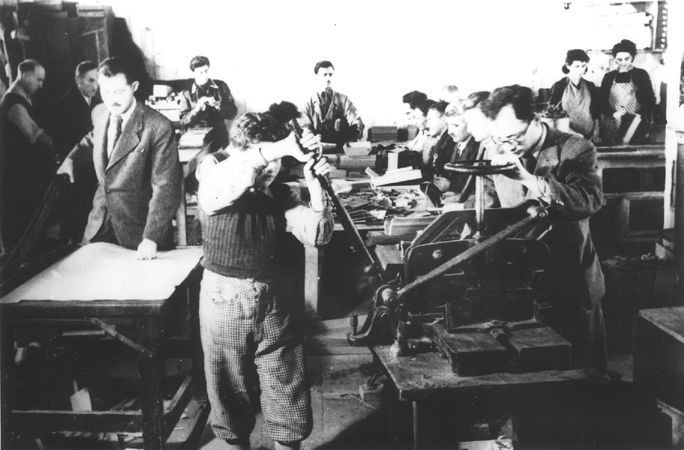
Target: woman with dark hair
(625,90)
(416,115)
(246,319)
(576,96)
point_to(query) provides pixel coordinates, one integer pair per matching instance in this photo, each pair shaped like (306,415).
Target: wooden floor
(343,419)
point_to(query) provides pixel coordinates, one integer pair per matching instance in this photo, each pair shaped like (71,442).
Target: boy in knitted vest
(246,320)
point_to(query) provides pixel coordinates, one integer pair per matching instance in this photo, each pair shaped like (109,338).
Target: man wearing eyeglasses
(558,169)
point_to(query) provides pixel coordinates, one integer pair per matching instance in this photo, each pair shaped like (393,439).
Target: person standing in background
(208,102)
(27,157)
(576,96)
(329,113)
(70,116)
(69,120)
(625,90)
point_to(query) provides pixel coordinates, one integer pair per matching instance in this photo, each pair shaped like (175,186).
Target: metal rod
(467,255)
(347,222)
(111,330)
(342,213)
(479,206)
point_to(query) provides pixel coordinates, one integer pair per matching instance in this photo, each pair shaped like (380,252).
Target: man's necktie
(529,162)
(114,133)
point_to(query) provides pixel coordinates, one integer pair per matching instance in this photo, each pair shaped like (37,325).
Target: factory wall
(266,49)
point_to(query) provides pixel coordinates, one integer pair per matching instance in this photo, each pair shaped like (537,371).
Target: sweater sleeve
(188,112)
(557,92)
(575,189)
(306,119)
(308,226)
(221,183)
(228,107)
(353,118)
(644,91)
(18,115)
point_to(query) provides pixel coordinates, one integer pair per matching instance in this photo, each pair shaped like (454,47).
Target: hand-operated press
(476,298)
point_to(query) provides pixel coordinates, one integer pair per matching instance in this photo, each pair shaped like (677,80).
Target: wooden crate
(659,353)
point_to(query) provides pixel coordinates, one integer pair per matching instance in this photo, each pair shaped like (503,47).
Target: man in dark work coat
(69,120)
(560,170)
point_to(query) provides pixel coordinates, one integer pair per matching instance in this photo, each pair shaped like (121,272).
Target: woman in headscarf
(626,90)
(576,96)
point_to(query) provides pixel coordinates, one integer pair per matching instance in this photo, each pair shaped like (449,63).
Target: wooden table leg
(6,358)
(414,425)
(181,214)
(198,380)
(313,265)
(152,379)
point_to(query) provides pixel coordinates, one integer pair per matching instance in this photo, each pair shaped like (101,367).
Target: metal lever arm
(342,213)
(535,213)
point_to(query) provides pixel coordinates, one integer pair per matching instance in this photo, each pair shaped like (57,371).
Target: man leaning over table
(136,161)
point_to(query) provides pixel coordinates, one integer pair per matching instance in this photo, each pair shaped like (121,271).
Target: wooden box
(659,353)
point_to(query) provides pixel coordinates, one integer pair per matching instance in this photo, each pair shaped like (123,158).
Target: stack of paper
(394,176)
(193,138)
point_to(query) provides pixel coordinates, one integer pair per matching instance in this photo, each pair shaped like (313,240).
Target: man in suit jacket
(558,169)
(465,148)
(136,161)
(70,117)
(27,159)
(69,120)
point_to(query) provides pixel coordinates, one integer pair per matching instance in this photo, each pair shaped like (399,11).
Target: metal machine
(470,287)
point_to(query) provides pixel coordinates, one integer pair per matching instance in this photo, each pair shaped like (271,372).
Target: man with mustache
(136,161)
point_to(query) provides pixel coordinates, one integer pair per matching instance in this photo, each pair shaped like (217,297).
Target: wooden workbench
(424,378)
(634,183)
(104,285)
(315,256)
(659,353)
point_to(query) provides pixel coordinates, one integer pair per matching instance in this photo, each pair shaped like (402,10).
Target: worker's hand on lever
(302,150)
(314,168)
(310,141)
(147,250)
(67,167)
